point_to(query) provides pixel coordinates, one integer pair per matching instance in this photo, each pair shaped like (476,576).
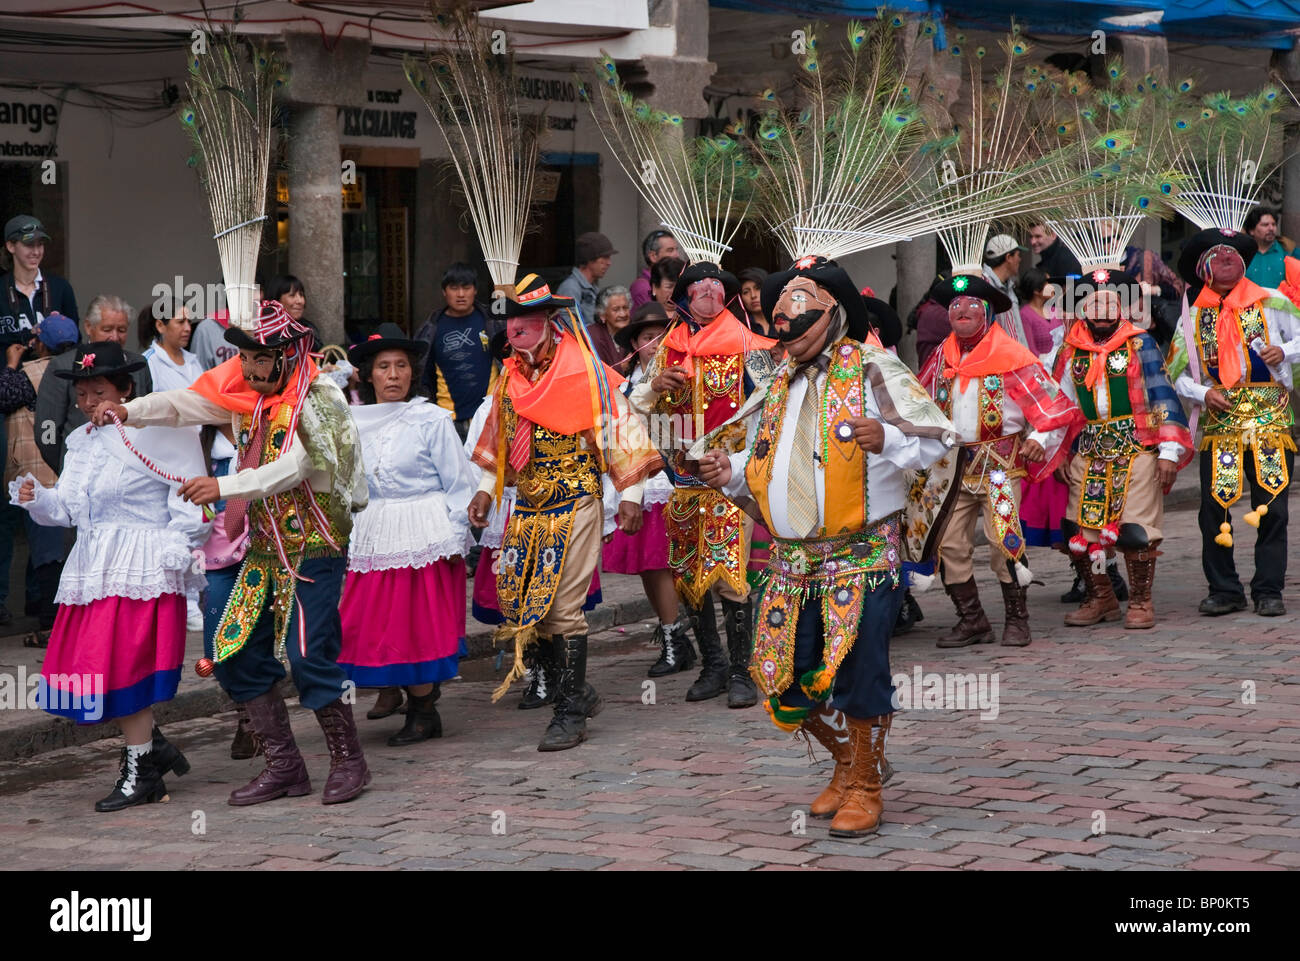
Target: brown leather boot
(973,626)
(1015,629)
(831,730)
(285,773)
(389,700)
(247,743)
(348,772)
(860,812)
(1101,604)
(1141,566)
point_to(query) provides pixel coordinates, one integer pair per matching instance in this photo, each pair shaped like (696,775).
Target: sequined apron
(305,534)
(1109,445)
(992,463)
(706,532)
(1260,416)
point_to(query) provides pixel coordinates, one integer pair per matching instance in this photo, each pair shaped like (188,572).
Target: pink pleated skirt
(404,626)
(646,550)
(113,657)
(1042,507)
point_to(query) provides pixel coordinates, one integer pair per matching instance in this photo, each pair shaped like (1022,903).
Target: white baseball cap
(1002,244)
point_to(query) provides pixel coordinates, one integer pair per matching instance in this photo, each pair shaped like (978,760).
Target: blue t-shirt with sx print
(458,372)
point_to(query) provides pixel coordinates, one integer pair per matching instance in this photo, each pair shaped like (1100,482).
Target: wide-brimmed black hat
(828,274)
(885,320)
(703,270)
(1075,288)
(531,295)
(387,337)
(272,330)
(945,291)
(1244,244)
(649,314)
(103,358)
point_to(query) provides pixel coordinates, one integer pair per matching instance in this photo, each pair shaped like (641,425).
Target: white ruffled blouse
(136,537)
(420,485)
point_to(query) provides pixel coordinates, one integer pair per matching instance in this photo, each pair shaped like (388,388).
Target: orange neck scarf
(224,385)
(1290,287)
(996,353)
(724,336)
(1080,337)
(1227,329)
(565,399)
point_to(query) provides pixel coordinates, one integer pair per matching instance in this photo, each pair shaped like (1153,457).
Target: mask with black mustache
(802,303)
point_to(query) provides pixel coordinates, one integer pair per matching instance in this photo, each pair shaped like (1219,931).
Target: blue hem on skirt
(153,689)
(401,675)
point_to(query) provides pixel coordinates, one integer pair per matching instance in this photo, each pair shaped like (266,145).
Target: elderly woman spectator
(613,309)
(108,317)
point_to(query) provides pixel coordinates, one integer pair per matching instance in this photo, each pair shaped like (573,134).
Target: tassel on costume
(523,636)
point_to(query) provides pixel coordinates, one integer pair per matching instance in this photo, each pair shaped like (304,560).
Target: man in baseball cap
(1002,257)
(592,255)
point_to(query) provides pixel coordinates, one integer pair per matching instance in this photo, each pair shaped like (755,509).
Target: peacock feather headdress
(699,187)
(471,92)
(230,89)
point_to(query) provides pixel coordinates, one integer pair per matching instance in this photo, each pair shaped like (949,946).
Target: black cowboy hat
(272,330)
(963,285)
(885,320)
(387,337)
(828,274)
(1199,243)
(1100,278)
(103,358)
(532,294)
(650,314)
(703,270)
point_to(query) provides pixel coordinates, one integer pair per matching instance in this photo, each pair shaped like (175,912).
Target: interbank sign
(28,122)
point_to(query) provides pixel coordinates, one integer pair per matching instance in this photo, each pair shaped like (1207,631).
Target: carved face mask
(1221,266)
(802,303)
(525,333)
(707,298)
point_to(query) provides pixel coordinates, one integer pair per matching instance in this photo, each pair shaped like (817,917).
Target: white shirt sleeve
(1188,389)
(1170,450)
(284,473)
(174,408)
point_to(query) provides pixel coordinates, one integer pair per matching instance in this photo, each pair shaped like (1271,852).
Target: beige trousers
(957,549)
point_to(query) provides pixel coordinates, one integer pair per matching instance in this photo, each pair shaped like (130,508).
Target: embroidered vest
(990,403)
(706,403)
(1120,404)
(560,466)
(843,462)
(305,531)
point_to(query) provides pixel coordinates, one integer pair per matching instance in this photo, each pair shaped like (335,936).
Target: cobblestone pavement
(1110,749)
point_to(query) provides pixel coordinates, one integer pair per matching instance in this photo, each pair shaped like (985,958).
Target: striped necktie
(802,486)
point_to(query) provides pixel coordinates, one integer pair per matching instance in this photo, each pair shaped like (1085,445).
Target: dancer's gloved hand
(1166,471)
(479,508)
(671,380)
(1033,452)
(629,517)
(102,411)
(201,490)
(715,469)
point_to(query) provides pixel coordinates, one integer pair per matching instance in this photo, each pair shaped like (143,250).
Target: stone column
(320,82)
(917,261)
(1287,63)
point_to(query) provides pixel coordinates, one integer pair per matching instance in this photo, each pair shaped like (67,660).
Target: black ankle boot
(543,672)
(139,782)
(713,678)
(168,756)
(739,621)
(575,699)
(422,720)
(675,651)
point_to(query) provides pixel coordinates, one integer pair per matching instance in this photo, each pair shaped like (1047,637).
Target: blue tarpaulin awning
(1251,23)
